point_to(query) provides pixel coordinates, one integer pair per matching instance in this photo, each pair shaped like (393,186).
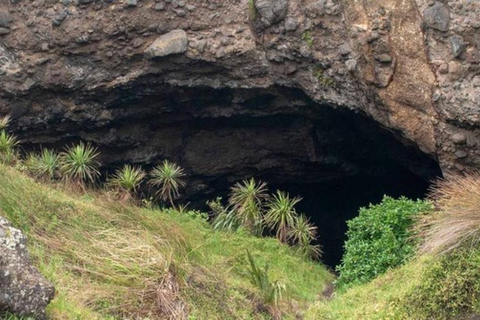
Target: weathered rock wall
(91,68)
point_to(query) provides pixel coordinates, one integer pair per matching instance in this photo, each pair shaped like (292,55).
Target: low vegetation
(109,259)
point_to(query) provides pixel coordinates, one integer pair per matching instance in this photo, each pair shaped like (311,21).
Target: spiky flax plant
(127,180)
(247,201)
(8,143)
(44,165)
(301,233)
(456,220)
(168,178)
(79,164)
(281,214)
(4,121)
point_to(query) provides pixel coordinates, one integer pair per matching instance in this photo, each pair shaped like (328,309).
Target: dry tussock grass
(456,220)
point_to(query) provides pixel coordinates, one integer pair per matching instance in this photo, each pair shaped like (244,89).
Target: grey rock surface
(23,290)
(173,42)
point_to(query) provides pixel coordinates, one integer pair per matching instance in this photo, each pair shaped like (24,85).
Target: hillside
(111,261)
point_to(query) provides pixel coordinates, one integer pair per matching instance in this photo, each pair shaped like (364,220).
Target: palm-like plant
(7,147)
(168,177)
(301,234)
(127,179)
(79,165)
(4,121)
(44,165)
(281,214)
(247,199)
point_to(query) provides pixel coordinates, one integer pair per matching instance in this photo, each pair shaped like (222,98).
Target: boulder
(271,11)
(175,41)
(437,17)
(23,290)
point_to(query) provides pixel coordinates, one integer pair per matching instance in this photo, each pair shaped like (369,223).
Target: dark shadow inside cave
(336,159)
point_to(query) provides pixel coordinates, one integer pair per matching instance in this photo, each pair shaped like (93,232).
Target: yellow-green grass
(379,299)
(108,260)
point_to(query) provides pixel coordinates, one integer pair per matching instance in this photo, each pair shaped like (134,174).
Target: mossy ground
(106,259)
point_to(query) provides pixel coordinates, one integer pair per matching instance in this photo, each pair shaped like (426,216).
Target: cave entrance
(336,159)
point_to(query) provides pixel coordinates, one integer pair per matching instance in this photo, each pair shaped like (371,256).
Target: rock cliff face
(237,87)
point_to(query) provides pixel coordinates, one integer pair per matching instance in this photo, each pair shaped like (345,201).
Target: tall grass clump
(223,218)
(168,177)
(79,164)
(247,200)
(456,220)
(126,181)
(272,291)
(281,214)
(43,166)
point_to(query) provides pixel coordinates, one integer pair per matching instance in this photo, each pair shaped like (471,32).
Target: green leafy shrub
(449,288)
(379,239)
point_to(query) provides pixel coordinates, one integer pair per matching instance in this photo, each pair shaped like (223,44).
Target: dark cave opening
(337,160)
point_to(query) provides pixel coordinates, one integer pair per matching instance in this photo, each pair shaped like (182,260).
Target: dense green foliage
(79,164)
(379,239)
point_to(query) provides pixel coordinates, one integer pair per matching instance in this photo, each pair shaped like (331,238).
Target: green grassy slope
(111,261)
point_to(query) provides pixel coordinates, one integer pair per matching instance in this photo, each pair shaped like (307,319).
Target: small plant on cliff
(272,291)
(307,37)
(43,166)
(380,238)
(8,143)
(126,181)
(223,218)
(456,221)
(252,10)
(247,199)
(168,177)
(301,234)
(78,164)
(4,121)
(281,214)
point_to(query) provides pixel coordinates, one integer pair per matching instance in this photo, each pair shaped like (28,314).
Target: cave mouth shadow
(329,205)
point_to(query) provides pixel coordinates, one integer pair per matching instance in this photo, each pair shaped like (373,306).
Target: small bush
(379,239)
(449,288)
(457,218)
(301,234)
(4,121)
(281,214)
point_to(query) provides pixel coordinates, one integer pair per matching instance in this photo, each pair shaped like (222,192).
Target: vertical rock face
(23,290)
(72,69)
